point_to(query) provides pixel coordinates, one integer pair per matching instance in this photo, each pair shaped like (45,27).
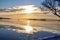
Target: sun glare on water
(28,28)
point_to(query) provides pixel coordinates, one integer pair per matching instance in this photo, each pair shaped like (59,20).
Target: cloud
(20,8)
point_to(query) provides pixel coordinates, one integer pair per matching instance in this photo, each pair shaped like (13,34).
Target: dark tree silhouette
(51,5)
(58,0)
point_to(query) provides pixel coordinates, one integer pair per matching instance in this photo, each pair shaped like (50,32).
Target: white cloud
(26,8)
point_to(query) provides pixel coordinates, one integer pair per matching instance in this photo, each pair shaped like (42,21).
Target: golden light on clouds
(28,9)
(25,9)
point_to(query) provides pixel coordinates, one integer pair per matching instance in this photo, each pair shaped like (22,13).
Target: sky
(12,3)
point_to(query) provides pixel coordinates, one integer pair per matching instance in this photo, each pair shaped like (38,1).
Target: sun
(28,9)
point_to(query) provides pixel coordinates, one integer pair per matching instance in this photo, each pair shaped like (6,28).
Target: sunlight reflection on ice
(25,28)
(28,28)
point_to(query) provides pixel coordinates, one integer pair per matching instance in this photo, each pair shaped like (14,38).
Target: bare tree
(51,5)
(58,0)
